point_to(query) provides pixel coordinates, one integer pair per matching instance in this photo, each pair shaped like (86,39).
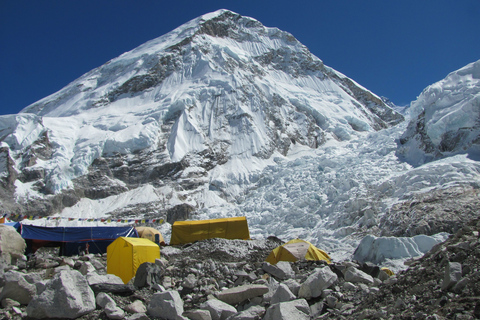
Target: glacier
(227,117)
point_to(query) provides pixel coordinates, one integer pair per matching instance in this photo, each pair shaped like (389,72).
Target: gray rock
(12,245)
(320,279)
(99,266)
(95,278)
(383,276)
(239,294)
(460,285)
(86,268)
(166,305)
(316,309)
(121,289)
(66,295)
(17,288)
(167,282)
(354,275)
(113,311)
(282,270)
(103,299)
(148,274)
(41,285)
(67,261)
(331,301)
(8,303)
(282,294)
(136,306)
(453,274)
(198,314)
(349,286)
(190,281)
(293,285)
(296,309)
(219,310)
(162,262)
(272,287)
(138,316)
(252,313)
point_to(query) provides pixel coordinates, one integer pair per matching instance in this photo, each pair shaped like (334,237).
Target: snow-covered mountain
(223,117)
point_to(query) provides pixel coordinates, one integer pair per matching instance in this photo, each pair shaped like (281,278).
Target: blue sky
(393,48)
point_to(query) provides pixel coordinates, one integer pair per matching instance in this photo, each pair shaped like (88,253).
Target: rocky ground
(220,279)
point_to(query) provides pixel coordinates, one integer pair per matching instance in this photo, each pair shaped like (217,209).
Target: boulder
(136,306)
(316,309)
(252,313)
(16,287)
(282,294)
(282,270)
(86,268)
(112,311)
(331,301)
(453,274)
(147,275)
(165,305)
(67,295)
(103,299)
(99,266)
(12,245)
(8,303)
(239,294)
(138,316)
(219,310)
(320,279)
(272,287)
(197,314)
(296,309)
(95,278)
(354,275)
(119,289)
(190,281)
(293,285)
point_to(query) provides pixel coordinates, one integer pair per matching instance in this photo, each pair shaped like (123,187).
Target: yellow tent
(149,233)
(387,271)
(227,228)
(295,250)
(2,220)
(125,255)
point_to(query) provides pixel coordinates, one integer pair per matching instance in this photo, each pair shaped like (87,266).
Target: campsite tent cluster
(128,247)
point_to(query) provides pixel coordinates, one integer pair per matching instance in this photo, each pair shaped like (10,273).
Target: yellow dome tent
(295,250)
(387,271)
(149,233)
(125,255)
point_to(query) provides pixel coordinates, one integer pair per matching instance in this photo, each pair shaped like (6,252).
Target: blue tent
(73,240)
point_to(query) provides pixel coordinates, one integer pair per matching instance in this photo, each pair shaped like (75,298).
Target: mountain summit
(220,117)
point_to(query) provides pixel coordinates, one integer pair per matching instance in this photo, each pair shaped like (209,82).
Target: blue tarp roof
(75,234)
